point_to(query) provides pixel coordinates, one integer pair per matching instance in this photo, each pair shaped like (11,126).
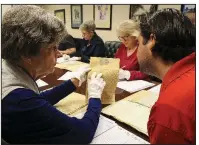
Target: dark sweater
(28,118)
(94,48)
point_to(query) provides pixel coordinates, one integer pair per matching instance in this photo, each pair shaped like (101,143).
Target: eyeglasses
(124,38)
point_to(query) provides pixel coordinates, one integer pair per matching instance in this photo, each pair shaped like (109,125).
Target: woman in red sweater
(128,32)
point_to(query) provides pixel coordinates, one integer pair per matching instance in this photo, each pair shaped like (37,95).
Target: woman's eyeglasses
(124,38)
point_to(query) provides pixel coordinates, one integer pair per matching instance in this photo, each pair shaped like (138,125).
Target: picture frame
(103,16)
(60,14)
(138,11)
(190,11)
(76,16)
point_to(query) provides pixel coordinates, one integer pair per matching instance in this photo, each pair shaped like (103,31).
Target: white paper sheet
(67,76)
(104,124)
(155,89)
(61,60)
(118,135)
(41,83)
(133,86)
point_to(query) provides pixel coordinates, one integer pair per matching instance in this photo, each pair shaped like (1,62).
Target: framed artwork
(190,12)
(103,16)
(138,11)
(76,16)
(60,14)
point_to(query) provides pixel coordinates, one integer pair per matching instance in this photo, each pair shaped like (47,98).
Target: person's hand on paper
(95,86)
(124,74)
(80,74)
(74,58)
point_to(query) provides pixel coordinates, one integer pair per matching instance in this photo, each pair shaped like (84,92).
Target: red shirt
(172,118)
(129,63)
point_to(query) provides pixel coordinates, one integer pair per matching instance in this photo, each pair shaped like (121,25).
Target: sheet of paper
(145,98)
(133,86)
(155,89)
(61,60)
(136,116)
(71,65)
(109,67)
(71,103)
(67,76)
(104,124)
(118,135)
(41,83)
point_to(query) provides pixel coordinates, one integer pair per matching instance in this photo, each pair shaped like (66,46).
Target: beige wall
(119,14)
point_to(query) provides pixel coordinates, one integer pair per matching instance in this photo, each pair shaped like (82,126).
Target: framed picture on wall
(190,12)
(76,16)
(60,14)
(138,11)
(103,16)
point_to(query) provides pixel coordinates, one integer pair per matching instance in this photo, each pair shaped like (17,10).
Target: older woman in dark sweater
(94,45)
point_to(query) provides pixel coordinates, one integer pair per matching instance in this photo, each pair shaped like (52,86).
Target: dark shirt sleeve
(67,43)
(57,93)
(98,51)
(28,118)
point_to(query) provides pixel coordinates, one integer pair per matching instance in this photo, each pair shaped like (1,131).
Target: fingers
(93,76)
(98,76)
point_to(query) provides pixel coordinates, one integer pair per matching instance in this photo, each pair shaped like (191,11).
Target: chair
(111,48)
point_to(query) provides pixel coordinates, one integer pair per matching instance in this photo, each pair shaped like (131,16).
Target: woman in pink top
(128,32)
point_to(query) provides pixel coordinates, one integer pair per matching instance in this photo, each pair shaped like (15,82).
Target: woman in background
(94,45)
(128,32)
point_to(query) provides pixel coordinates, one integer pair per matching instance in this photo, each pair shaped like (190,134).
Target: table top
(52,81)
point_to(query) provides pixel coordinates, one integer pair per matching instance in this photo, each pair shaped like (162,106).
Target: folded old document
(133,110)
(71,103)
(109,67)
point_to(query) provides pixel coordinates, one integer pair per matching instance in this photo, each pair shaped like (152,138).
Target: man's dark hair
(174,34)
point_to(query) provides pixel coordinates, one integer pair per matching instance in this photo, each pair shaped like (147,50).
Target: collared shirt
(129,63)
(172,119)
(93,48)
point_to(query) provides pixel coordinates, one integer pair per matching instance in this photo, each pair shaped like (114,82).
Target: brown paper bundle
(109,67)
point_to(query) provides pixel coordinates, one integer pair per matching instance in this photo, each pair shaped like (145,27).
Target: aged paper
(133,114)
(109,67)
(71,103)
(156,89)
(71,65)
(145,98)
(133,110)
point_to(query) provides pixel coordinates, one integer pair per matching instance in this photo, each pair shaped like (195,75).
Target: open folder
(133,110)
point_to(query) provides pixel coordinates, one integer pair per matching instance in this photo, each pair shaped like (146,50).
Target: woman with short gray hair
(94,45)
(29,50)
(128,32)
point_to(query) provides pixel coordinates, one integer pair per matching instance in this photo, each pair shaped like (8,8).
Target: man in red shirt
(167,50)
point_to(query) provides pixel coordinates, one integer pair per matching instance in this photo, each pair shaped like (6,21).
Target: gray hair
(88,26)
(26,29)
(128,27)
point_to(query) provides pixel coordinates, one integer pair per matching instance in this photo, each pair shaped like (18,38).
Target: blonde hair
(128,27)
(88,26)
